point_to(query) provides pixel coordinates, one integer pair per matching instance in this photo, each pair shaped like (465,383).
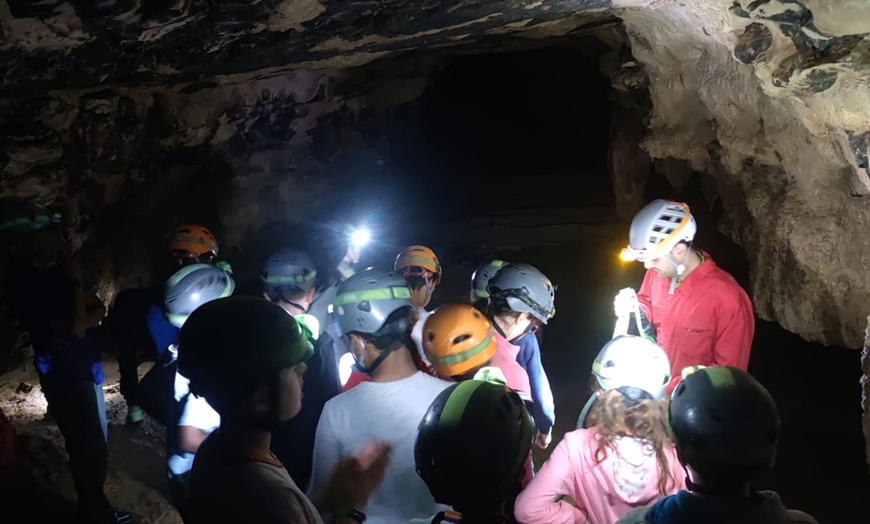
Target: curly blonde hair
(614,417)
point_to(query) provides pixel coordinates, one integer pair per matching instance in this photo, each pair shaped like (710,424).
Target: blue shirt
(162,332)
(43,301)
(293,442)
(543,408)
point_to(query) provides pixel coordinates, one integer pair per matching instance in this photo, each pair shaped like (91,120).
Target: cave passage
(518,136)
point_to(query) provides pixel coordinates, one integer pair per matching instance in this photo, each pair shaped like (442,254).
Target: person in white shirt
(376,314)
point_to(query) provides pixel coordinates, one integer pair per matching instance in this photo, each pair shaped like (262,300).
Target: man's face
(666,266)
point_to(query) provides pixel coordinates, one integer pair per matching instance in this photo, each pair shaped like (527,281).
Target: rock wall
(770,98)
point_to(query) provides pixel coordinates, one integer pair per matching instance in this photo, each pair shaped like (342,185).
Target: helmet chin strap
(359,367)
(681,269)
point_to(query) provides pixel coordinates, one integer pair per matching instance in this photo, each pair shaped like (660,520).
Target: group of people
(436,420)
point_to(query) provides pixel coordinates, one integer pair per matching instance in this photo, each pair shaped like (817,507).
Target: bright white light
(360,237)
(194,296)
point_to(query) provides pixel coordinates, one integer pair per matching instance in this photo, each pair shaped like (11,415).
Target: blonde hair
(614,417)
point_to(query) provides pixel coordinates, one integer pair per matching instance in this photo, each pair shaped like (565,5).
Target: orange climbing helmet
(457,339)
(193,241)
(419,261)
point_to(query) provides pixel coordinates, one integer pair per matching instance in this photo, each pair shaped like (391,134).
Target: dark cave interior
(519,131)
(510,141)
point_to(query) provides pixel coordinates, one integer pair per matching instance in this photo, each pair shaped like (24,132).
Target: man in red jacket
(696,311)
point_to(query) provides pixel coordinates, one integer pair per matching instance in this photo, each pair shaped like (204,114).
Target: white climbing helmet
(633,362)
(657,229)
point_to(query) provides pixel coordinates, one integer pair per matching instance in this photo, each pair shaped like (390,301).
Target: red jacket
(707,321)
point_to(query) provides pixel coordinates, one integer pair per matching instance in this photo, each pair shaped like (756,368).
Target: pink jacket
(626,479)
(505,359)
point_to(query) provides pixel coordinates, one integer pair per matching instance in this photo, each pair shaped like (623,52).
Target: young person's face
(290,396)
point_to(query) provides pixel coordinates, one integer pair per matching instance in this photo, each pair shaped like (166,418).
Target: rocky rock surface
(136,479)
(120,109)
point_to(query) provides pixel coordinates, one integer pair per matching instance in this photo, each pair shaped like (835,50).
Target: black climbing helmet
(232,344)
(473,443)
(725,425)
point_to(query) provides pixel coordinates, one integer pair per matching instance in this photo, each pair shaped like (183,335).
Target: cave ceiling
(49,45)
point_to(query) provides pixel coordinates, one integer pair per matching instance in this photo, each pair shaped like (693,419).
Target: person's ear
(679,250)
(261,399)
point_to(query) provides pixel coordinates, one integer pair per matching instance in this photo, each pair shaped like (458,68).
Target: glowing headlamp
(629,254)
(360,237)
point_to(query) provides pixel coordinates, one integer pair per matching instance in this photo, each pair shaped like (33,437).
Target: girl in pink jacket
(624,459)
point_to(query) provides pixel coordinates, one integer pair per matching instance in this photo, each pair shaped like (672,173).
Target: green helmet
(238,342)
(365,301)
(481,277)
(473,443)
(192,286)
(725,425)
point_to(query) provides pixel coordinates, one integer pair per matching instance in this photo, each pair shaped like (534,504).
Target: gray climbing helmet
(191,287)
(365,300)
(289,267)
(481,277)
(525,290)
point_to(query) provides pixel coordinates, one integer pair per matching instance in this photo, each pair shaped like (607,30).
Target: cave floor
(136,479)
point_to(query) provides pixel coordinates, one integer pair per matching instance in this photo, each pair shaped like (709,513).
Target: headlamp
(629,254)
(360,237)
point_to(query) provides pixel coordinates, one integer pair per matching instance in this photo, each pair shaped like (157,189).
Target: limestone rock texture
(118,111)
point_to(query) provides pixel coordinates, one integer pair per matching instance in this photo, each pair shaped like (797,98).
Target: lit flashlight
(360,237)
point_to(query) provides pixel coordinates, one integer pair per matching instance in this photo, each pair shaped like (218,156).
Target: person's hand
(543,440)
(625,302)
(356,477)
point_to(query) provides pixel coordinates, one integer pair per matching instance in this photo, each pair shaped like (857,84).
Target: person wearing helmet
(459,341)
(726,427)
(376,314)
(61,313)
(337,249)
(699,314)
(521,300)
(471,451)
(625,459)
(288,280)
(480,280)
(136,314)
(188,419)
(246,356)
(192,244)
(422,271)
(529,356)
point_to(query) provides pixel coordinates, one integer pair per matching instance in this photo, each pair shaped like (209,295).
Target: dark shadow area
(524,131)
